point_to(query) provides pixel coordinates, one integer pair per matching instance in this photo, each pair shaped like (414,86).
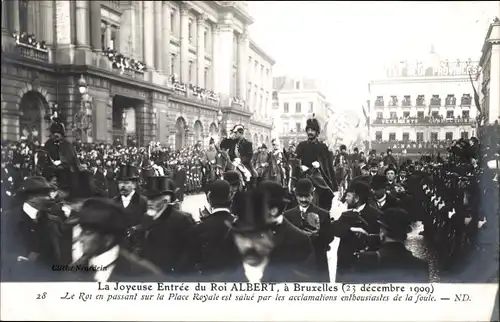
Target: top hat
(360,188)
(251,211)
(263,146)
(379,182)
(57,127)
(304,187)
(373,164)
(128,172)
(312,124)
(275,192)
(343,147)
(219,192)
(101,215)
(232,177)
(35,184)
(396,221)
(211,141)
(160,186)
(389,168)
(389,150)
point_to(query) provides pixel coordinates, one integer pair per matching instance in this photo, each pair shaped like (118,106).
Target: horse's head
(223,160)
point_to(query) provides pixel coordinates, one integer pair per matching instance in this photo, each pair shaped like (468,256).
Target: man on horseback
(317,164)
(240,152)
(260,162)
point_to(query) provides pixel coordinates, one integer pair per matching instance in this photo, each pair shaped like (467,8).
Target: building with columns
(153,70)
(295,99)
(489,75)
(425,104)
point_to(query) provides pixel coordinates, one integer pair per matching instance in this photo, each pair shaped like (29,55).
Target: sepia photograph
(250,141)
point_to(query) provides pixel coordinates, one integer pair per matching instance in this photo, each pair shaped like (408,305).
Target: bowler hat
(304,187)
(232,177)
(35,184)
(390,167)
(360,188)
(379,182)
(160,186)
(219,192)
(57,127)
(100,215)
(397,222)
(276,193)
(211,141)
(263,146)
(128,172)
(251,211)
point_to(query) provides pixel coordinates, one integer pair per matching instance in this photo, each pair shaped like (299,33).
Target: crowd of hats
(122,62)
(197,91)
(29,40)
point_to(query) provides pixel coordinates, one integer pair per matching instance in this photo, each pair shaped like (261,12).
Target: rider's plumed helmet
(313,124)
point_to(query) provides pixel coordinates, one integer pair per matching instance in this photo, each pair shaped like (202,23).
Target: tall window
(434,136)
(190,71)
(172,64)
(23,15)
(451,100)
(205,38)
(380,115)
(392,136)
(420,100)
(261,102)
(190,31)
(378,135)
(114,38)
(420,114)
(394,115)
(297,127)
(466,100)
(435,114)
(103,35)
(285,107)
(205,77)
(464,135)
(298,107)
(379,101)
(449,114)
(449,136)
(407,100)
(406,136)
(172,22)
(297,85)
(311,107)
(465,114)
(435,100)
(406,114)
(420,137)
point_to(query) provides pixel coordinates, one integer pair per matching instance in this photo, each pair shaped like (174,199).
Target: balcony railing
(27,46)
(423,121)
(411,146)
(123,63)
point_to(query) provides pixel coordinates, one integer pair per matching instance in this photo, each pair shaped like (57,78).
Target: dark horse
(217,167)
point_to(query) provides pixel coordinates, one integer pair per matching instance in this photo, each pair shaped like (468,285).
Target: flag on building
(476,98)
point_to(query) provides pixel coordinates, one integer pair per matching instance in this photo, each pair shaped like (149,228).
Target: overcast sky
(344,44)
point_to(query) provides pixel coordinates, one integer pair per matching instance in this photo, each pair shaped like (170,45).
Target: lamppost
(82,121)
(155,125)
(220,116)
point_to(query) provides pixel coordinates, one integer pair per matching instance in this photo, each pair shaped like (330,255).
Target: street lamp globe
(82,85)
(219,116)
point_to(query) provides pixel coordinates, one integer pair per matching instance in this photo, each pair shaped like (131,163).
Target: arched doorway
(261,139)
(180,133)
(268,143)
(31,117)
(198,132)
(124,120)
(214,131)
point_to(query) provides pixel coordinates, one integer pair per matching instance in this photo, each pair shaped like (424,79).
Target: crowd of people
(112,213)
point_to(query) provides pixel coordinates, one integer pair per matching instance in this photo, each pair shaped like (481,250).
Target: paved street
(415,242)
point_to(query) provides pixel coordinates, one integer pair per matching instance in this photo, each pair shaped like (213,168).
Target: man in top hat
(392,262)
(103,258)
(253,240)
(383,200)
(210,246)
(166,228)
(235,181)
(260,161)
(63,161)
(315,221)
(130,200)
(317,160)
(292,245)
(362,220)
(27,247)
(180,177)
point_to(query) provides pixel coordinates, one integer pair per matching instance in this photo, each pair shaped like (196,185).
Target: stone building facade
(153,70)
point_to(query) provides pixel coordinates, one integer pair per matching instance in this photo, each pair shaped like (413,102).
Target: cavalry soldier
(63,162)
(133,204)
(261,161)
(315,154)
(166,228)
(315,221)
(103,230)
(240,153)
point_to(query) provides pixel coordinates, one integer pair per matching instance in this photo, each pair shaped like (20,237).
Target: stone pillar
(215,59)
(158,36)
(107,36)
(95,25)
(224,71)
(494,103)
(14,15)
(200,50)
(148,35)
(4,16)
(47,22)
(63,20)
(184,43)
(82,23)
(125,34)
(244,44)
(166,39)
(30,17)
